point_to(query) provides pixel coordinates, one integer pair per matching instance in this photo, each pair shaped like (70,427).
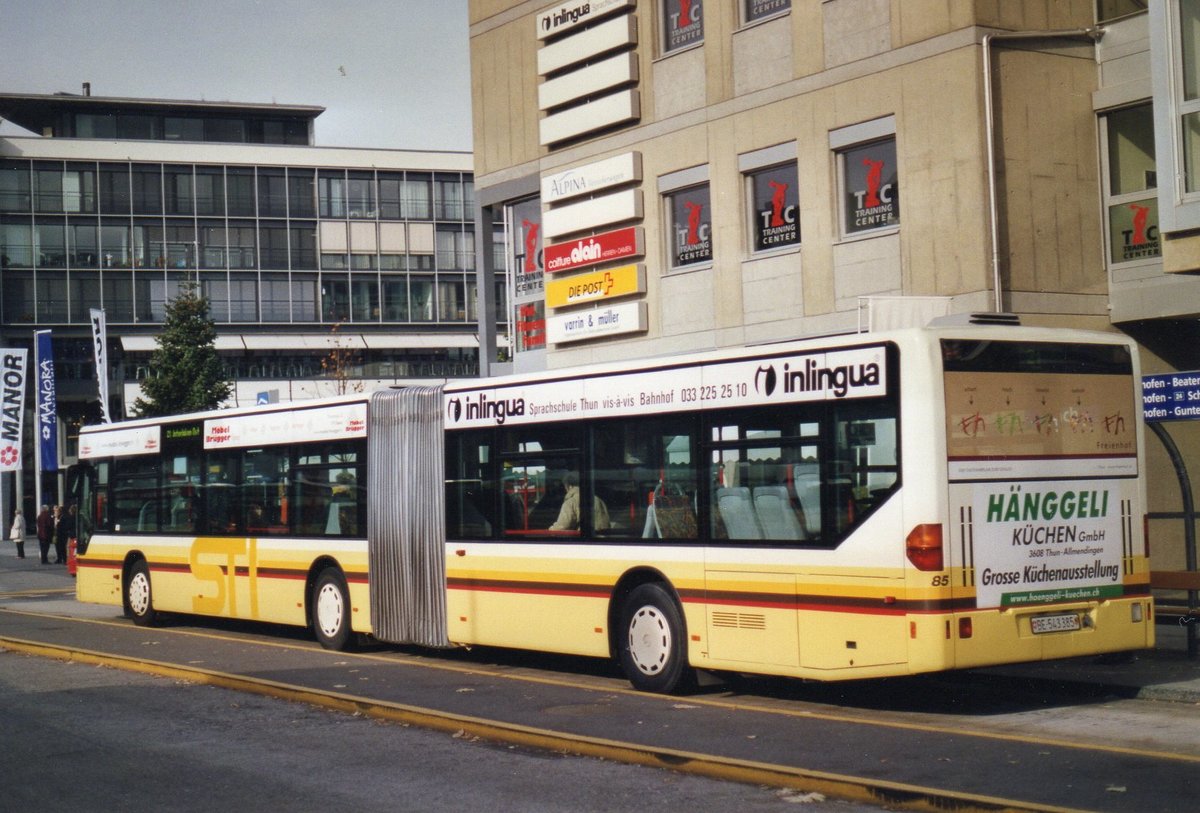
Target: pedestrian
(17,533)
(67,535)
(45,532)
(62,531)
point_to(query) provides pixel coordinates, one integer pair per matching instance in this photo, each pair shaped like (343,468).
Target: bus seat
(737,512)
(773,507)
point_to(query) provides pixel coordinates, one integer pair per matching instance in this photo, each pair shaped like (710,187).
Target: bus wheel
(330,603)
(653,647)
(139,603)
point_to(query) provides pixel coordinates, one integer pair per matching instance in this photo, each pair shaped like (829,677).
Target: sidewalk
(1163,673)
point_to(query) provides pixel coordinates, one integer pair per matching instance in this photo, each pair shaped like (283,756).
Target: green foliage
(187,372)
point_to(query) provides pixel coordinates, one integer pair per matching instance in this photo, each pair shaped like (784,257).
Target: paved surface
(591,710)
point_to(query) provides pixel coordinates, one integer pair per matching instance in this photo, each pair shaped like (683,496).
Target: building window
(210,191)
(360,192)
(772,191)
(14,189)
(1133,232)
(682,24)
(418,197)
(688,215)
(177,182)
(868,182)
(272,193)
(332,194)
(301,197)
(147,189)
(1175,57)
(275,298)
(755,10)
(239,190)
(114,189)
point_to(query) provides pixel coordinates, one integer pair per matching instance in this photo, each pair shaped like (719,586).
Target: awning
(148,344)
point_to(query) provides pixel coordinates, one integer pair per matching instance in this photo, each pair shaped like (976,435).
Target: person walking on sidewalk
(57,535)
(17,532)
(45,530)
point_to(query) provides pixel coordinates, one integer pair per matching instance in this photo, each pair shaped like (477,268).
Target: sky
(389,73)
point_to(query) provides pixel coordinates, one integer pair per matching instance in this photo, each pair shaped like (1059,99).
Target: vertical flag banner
(99,332)
(12,411)
(47,402)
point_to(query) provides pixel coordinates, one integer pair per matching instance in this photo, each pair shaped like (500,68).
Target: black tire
(653,642)
(329,606)
(139,600)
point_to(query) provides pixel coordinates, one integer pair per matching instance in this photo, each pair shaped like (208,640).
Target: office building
(303,252)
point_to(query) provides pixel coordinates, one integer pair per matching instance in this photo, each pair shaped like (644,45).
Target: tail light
(923,547)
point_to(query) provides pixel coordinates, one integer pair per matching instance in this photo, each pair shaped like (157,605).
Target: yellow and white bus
(858,506)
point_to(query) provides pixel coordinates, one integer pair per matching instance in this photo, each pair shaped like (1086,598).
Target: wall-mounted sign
(562,17)
(592,213)
(606,111)
(610,321)
(609,246)
(1171,397)
(606,284)
(593,177)
(1133,230)
(872,196)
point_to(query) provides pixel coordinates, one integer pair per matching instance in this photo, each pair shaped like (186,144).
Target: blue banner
(47,402)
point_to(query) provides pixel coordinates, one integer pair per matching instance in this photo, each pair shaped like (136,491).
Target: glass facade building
(303,252)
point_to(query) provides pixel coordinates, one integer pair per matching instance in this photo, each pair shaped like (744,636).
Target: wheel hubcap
(329,610)
(139,594)
(649,640)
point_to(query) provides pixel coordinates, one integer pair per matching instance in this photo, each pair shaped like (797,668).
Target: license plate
(1059,622)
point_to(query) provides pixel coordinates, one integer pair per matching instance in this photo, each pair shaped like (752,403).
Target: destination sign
(1171,397)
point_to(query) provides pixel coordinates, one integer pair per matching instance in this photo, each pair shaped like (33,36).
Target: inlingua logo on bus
(809,375)
(480,407)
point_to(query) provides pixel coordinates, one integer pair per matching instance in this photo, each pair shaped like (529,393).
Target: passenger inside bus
(568,515)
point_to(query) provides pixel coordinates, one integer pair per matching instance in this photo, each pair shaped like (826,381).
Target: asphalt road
(995,735)
(78,737)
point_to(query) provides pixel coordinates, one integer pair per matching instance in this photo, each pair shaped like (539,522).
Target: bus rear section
(1045,542)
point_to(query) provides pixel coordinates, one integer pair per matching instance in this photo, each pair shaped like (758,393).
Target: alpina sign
(608,246)
(584,180)
(564,16)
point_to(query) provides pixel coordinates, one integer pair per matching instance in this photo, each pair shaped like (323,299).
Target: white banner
(99,344)
(12,378)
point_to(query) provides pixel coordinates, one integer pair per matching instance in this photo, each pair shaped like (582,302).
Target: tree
(342,363)
(187,375)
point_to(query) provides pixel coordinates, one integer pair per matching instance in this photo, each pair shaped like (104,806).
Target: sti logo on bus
(480,407)
(812,377)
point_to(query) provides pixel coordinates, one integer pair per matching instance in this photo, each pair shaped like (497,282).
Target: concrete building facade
(752,171)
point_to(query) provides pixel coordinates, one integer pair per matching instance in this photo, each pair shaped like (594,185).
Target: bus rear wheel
(653,644)
(139,601)
(330,607)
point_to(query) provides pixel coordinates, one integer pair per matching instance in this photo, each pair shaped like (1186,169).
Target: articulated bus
(860,506)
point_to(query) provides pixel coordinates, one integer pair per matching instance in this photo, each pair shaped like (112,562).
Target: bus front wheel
(139,602)
(653,645)
(330,603)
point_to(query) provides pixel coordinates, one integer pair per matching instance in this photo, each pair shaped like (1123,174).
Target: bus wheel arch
(649,634)
(137,596)
(328,605)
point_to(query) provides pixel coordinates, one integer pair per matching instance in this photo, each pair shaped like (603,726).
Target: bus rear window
(983,356)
